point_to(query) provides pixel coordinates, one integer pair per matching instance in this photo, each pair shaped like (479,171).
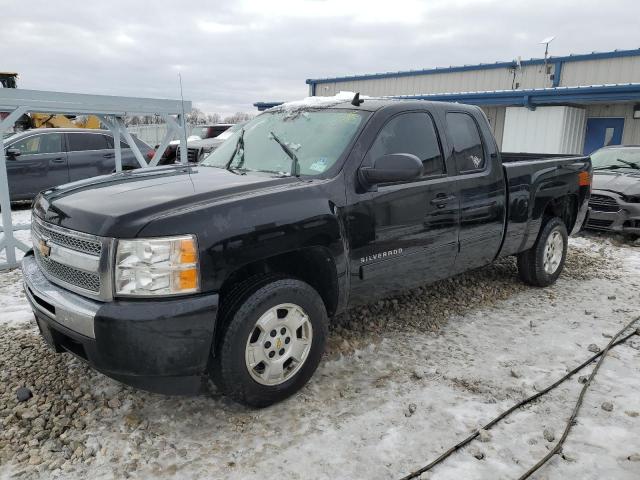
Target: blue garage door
(602,132)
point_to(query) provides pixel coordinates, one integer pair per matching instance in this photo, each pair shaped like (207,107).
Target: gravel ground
(403,380)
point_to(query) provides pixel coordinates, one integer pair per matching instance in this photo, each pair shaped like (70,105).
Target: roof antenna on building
(546,43)
(357,101)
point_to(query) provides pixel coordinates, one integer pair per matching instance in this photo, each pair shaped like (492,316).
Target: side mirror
(395,167)
(12,153)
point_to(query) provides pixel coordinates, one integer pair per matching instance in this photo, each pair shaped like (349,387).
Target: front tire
(272,342)
(543,263)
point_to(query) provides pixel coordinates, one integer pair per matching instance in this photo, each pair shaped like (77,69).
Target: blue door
(602,132)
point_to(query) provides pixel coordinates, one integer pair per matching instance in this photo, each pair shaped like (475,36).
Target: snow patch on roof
(315,102)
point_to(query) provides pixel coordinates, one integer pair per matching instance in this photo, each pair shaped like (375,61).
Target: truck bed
(532,181)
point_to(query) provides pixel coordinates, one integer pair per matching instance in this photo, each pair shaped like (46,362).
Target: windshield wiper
(608,167)
(239,146)
(631,164)
(289,152)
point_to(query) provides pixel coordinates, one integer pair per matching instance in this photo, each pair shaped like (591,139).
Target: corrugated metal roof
(482,66)
(530,98)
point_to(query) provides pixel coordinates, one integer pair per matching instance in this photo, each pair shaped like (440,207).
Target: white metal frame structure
(110,110)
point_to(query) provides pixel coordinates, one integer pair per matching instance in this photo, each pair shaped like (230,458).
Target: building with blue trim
(594,96)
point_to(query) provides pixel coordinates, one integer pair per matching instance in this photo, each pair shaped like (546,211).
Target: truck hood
(624,182)
(120,205)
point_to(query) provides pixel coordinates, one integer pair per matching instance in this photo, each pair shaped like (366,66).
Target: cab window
(468,153)
(412,133)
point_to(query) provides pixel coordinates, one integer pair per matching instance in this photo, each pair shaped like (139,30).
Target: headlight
(157,266)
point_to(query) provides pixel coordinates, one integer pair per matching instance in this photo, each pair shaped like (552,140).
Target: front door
(403,234)
(41,164)
(602,132)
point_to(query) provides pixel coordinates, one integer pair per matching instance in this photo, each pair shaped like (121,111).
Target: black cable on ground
(613,343)
(571,422)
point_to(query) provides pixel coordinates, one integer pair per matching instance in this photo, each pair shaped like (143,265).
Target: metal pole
(117,147)
(8,240)
(180,120)
(132,144)
(115,130)
(172,129)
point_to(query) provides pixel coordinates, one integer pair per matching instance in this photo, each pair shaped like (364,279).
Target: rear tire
(543,263)
(253,365)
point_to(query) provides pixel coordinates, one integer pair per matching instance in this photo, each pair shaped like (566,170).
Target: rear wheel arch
(564,207)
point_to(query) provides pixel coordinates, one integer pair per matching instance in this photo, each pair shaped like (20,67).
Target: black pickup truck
(230,269)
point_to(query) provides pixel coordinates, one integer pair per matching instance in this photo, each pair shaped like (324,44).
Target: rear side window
(79,142)
(37,144)
(412,133)
(468,153)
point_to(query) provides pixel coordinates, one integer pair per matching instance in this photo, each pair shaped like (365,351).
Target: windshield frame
(337,166)
(614,164)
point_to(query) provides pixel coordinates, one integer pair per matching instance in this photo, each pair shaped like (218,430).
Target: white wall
(554,129)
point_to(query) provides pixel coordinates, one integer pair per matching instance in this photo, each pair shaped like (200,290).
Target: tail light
(150,154)
(584,179)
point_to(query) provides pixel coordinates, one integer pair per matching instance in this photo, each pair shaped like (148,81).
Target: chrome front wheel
(279,344)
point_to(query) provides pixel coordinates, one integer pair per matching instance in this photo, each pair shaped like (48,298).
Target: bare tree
(238,117)
(213,118)
(196,116)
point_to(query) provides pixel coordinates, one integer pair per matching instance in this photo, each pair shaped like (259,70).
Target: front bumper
(158,345)
(625,220)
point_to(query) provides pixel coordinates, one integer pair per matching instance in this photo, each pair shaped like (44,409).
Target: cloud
(231,54)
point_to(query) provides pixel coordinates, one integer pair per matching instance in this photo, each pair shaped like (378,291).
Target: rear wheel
(272,342)
(542,264)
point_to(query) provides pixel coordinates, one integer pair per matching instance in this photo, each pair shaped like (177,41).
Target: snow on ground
(21,215)
(13,306)
(380,412)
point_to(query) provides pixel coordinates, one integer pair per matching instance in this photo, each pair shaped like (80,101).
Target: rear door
(90,154)
(42,164)
(403,234)
(480,186)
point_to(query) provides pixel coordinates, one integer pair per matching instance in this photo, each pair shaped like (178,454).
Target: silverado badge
(44,248)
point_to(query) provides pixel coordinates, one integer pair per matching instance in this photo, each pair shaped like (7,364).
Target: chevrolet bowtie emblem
(44,248)
(278,343)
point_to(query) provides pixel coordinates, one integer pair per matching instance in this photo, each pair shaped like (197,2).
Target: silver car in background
(615,197)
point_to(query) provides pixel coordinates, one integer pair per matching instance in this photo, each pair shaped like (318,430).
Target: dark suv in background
(43,158)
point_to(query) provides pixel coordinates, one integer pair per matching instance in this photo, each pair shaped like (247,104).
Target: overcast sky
(232,54)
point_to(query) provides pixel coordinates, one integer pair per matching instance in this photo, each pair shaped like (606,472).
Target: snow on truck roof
(343,97)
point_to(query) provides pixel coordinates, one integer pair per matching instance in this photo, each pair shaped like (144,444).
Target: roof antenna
(546,42)
(357,101)
(184,118)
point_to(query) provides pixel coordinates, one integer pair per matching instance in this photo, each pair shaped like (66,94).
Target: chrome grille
(597,223)
(602,203)
(75,243)
(85,280)
(75,260)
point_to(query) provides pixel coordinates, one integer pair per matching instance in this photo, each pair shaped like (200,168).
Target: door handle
(442,199)
(58,160)
(109,155)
